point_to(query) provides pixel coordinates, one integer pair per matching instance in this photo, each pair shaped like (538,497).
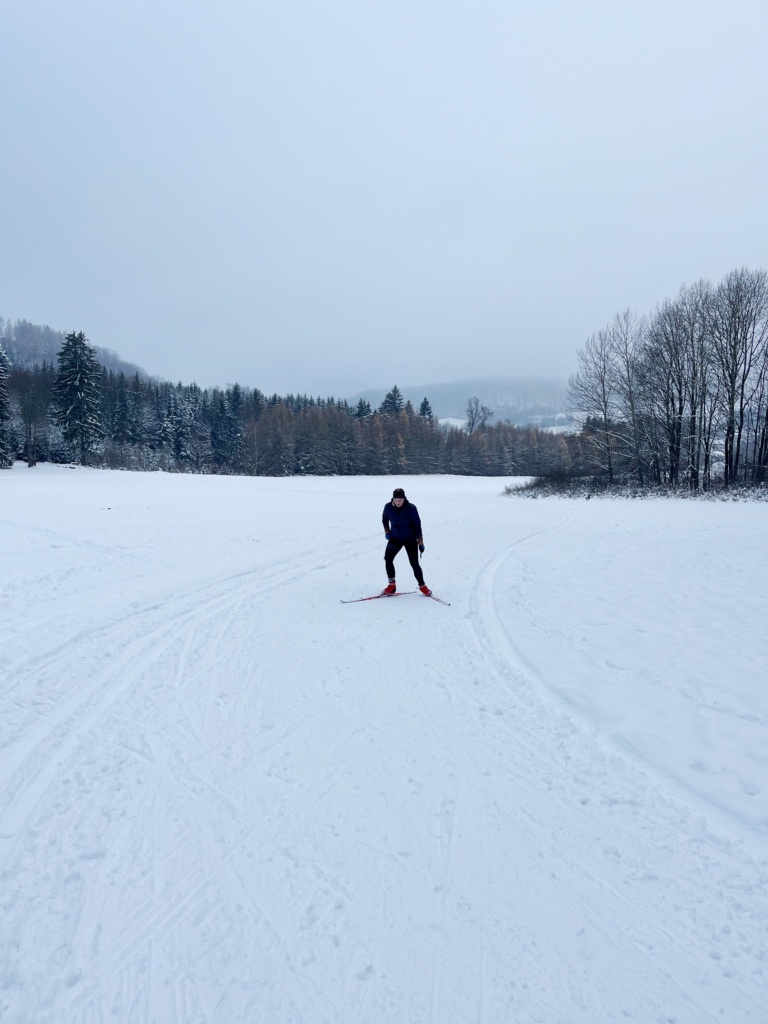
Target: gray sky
(332,195)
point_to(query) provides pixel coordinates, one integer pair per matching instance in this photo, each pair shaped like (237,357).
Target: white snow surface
(227,797)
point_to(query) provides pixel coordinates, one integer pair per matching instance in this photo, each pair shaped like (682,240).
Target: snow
(227,797)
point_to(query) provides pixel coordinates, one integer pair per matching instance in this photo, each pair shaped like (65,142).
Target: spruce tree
(221,432)
(5,411)
(181,422)
(77,395)
(235,400)
(236,431)
(393,402)
(425,410)
(121,428)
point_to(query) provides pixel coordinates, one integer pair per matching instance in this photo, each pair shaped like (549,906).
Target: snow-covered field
(226,797)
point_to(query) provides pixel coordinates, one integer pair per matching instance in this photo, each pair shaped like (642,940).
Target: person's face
(398,501)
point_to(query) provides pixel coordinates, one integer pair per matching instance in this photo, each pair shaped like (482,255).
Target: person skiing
(402,528)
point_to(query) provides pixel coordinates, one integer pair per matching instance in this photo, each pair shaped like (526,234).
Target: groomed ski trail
(232,800)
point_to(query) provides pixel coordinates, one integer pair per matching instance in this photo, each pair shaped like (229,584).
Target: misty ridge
(674,400)
(67,400)
(29,345)
(523,401)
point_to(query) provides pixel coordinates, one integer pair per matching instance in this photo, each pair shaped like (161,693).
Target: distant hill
(524,401)
(28,345)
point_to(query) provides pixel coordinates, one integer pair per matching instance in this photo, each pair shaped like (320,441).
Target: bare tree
(739,330)
(694,305)
(477,415)
(665,372)
(32,391)
(626,336)
(592,394)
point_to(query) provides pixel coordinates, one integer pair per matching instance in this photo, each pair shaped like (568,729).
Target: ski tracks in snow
(87,759)
(242,803)
(643,869)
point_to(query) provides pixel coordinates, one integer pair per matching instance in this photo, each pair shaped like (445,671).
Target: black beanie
(398,493)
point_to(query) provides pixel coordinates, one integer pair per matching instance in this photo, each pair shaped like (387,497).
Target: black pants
(412,550)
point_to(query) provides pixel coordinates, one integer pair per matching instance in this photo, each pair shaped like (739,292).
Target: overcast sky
(330,195)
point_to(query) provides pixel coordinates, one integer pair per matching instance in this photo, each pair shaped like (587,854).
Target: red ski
(398,593)
(375,597)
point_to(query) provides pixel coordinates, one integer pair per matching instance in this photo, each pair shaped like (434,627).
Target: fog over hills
(28,345)
(520,400)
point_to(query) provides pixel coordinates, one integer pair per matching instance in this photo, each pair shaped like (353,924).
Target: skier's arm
(385,520)
(417,525)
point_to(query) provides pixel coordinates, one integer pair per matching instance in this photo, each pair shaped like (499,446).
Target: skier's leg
(412,548)
(392,548)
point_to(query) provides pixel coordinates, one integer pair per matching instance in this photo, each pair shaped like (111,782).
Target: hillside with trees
(78,410)
(677,399)
(524,401)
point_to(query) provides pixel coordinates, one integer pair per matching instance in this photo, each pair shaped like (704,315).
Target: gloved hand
(421,548)
(387,534)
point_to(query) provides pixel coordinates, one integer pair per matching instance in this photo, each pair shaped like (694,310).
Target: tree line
(79,411)
(676,399)
(679,398)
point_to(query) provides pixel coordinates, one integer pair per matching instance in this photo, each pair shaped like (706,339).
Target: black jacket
(401,523)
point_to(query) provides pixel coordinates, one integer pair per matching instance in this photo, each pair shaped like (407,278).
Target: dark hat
(398,493)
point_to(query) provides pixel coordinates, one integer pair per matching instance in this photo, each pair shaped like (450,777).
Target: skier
(402,528)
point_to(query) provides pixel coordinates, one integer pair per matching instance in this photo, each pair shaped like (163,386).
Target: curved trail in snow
(230,799)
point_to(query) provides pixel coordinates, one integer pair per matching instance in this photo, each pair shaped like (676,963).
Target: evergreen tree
(181,420)
(362,409)
(77,395)
(165,435)
(235,400)
(393,402)
(425,411)
(253,406)
(221,432)
(121,426)
(140,416)
(5,414)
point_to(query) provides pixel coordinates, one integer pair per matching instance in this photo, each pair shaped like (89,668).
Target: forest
(677,400)
(79,411)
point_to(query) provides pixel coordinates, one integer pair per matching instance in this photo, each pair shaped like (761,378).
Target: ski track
(218,809)
(712,863)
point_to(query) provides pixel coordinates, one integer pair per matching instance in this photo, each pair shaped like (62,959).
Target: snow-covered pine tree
(235,402)
(77,395)
(220,433)
(393,402)
(181,421)
(5,411)
(121,426)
